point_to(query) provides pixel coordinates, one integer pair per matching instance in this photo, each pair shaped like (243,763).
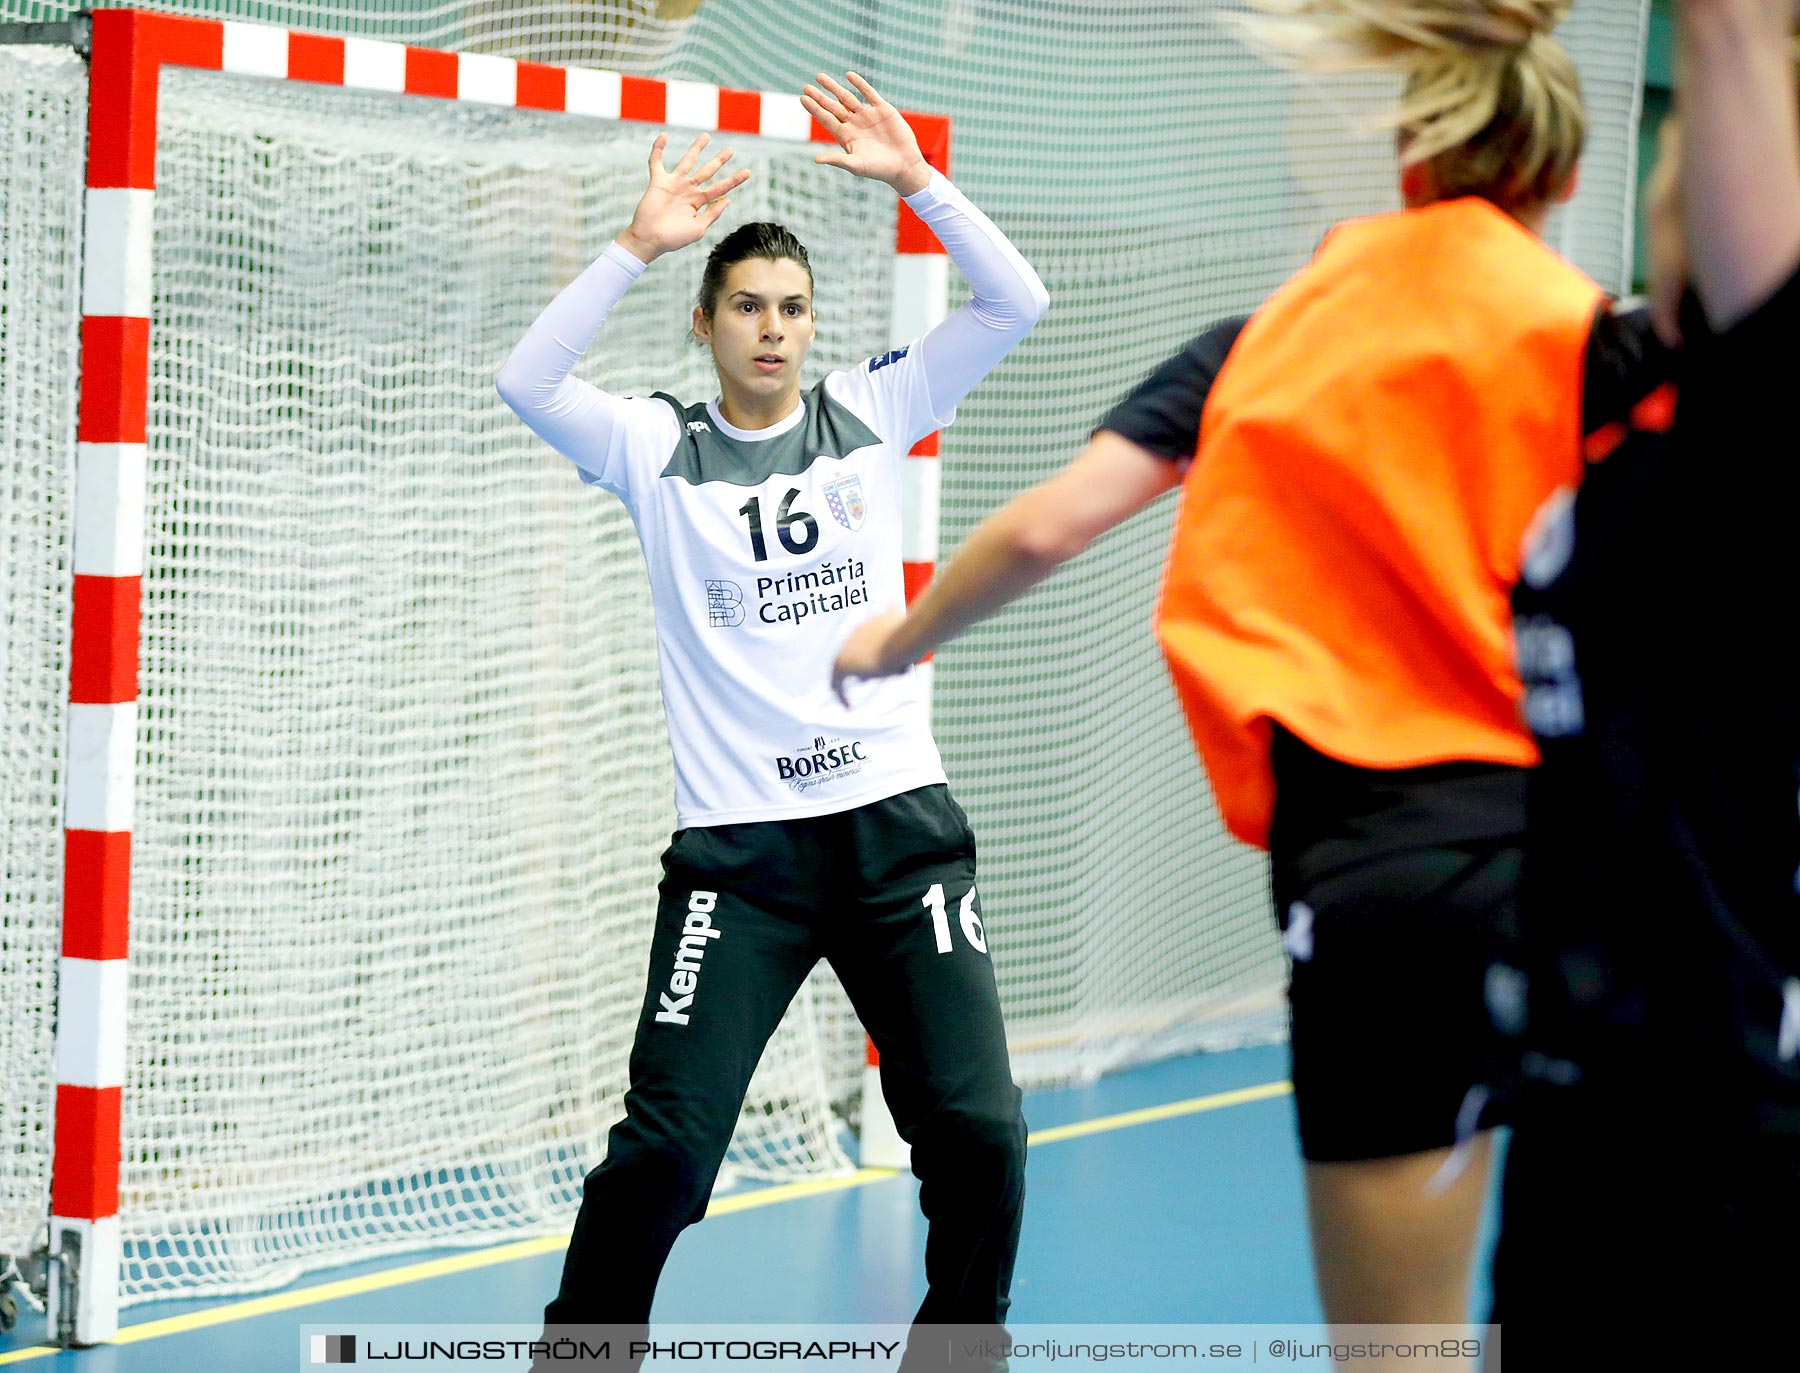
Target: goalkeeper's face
(760,330)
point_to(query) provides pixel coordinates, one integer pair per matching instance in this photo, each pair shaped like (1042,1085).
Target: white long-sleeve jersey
(766,547)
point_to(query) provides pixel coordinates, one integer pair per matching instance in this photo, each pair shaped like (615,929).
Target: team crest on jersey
(845,497)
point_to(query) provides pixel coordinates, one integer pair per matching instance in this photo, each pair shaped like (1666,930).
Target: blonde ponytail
(1491,102)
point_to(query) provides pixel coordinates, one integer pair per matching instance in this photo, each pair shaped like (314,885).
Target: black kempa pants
(886,894)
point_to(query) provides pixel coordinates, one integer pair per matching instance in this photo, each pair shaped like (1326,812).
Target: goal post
(131,51)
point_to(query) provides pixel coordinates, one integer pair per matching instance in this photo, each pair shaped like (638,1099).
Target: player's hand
(874,140)
(680,205)
(868,652)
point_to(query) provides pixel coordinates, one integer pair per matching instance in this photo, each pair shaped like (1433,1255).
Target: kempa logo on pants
(334,1349)
(697,928)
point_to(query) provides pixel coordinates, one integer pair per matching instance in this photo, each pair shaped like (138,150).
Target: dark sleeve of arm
(1162,416)
(1737,402)
(1754,359)
(1626,361)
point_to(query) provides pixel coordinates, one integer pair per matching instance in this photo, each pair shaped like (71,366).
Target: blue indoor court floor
(1164,1195)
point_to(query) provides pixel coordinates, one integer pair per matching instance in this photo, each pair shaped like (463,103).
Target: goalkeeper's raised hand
(681,205)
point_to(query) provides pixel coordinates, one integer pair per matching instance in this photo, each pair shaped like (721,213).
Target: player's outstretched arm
(1011,551)
(575,418)
(1741,151)
(1007,298)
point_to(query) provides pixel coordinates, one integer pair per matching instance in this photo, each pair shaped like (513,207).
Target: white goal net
(42,101)
(402,780)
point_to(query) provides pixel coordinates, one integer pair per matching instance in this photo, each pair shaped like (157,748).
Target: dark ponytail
(772,242)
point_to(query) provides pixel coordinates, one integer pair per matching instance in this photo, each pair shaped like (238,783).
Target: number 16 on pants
(940,919)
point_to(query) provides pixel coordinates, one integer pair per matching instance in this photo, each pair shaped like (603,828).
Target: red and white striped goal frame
(129,50)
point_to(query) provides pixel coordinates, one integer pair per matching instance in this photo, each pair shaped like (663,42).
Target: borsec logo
(724,603)
(825,759)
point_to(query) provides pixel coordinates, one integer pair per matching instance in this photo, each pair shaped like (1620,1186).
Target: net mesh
(403,775)
(402,778)
(42,101)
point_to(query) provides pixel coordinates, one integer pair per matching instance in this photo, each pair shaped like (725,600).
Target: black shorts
(1642,1218)
(1395,891)
(1657,1169)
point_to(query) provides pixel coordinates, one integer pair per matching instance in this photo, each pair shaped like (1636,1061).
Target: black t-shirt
(1162,413)
(1654,625)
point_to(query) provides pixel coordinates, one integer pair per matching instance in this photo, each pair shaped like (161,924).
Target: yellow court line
(793,1191)
(551,1244)
(1192,1106)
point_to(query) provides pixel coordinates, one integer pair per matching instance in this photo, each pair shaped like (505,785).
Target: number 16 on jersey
(787,519)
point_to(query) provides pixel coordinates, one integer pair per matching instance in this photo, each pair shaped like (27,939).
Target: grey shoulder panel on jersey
(704,455)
